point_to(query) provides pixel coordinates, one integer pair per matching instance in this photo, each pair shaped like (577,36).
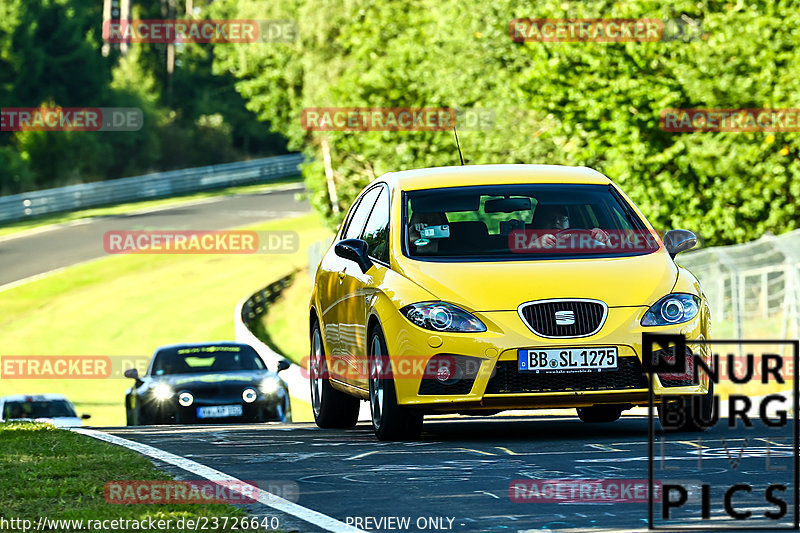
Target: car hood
(503,286)
(245,377)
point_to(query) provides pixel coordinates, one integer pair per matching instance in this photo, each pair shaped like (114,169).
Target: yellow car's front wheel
(389,420)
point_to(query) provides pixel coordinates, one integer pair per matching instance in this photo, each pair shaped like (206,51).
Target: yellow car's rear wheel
(332,408)
(389,420)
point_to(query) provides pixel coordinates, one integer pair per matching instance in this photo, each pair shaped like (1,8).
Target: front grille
(586,317)
(509,380)
(221,390)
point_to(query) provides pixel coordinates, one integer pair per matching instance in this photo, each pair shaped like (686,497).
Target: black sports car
(207,382)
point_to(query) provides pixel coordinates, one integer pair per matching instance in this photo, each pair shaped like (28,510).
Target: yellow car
(476,289)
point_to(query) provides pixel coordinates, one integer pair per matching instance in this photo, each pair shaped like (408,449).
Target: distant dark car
(205,383)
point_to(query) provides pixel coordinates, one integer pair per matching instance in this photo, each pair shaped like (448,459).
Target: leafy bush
(594,104)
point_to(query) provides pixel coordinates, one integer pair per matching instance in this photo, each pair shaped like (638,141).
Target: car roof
(33,397)
(199,344)
(455,176)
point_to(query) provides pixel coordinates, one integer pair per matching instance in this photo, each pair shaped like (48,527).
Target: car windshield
(529,221)
(38,409)
(196,359)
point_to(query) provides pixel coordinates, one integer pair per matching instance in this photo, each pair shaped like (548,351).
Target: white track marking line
(264,497)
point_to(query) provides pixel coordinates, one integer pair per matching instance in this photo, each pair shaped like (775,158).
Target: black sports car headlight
(442,316)
(162,392)
(271,385)
(672,309)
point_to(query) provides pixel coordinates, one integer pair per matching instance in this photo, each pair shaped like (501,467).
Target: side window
(376,232)
(360,215)
(349,217)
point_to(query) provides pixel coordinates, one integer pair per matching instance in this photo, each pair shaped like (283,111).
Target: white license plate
(219,411)
(568,360)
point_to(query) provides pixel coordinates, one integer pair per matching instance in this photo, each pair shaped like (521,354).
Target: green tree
(589,103)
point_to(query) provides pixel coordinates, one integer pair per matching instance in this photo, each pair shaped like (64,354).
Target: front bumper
(264,409)
(497,384)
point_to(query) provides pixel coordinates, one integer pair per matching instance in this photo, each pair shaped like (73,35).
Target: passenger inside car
(418,222)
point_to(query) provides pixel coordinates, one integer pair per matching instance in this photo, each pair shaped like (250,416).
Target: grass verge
(61,475)
(286,320)
(286,326)
(119,209)
(127,305)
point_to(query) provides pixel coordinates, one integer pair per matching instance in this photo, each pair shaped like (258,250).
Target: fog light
(443,374)
(249,395)
(185,399)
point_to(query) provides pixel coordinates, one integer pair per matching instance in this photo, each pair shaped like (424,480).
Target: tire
(332,408)
(132,414)
(694,412)
(287,410)
(599,413)
(389,420)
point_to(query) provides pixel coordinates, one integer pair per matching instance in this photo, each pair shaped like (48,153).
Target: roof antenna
(458,145)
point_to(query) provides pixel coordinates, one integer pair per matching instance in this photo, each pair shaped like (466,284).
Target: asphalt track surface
(461,469)
(456,476)
(38,252)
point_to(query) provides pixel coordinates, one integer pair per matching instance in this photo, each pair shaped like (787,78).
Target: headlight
(162,392)
(442,316)
(270,385)
(672,309)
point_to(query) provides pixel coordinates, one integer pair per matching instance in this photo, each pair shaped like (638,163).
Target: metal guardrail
(160,184)
(254,307)
(248,311)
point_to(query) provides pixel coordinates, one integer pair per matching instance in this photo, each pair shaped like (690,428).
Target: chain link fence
(753,288)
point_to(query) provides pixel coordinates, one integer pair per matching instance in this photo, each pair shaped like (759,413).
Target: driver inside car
(556,217)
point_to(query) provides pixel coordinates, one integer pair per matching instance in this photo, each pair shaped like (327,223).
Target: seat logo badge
(565,318)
